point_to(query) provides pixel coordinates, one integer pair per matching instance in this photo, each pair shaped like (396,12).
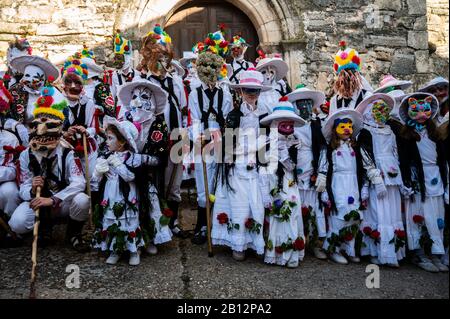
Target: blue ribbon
(283,108)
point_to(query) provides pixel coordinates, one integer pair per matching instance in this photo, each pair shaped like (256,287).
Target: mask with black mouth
(45,133)
(270,75)
(33,77)
(143,104)
(305,108)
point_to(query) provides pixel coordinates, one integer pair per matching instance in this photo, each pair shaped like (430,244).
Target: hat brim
(432,83)
(283,116)
(356,117)
(263,88)
(21,62)
(184,61)
(317,97)
(111,121)
(160,95)
(365,104)
(179,68)
(281,67)
(403,109)
(93,68)
(403,85)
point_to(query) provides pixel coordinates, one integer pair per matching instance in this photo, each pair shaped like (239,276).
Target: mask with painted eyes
(304,108)
(420,110)
(73,86)
(143,104)
(45,133)
(33,77)
(286,128)
(380,111)
(344,128)
(270,74)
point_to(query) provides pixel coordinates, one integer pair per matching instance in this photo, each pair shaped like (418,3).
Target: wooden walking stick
(34,249)
(208,205)
(88,179)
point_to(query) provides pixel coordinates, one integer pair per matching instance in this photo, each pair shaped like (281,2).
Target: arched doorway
(191,23)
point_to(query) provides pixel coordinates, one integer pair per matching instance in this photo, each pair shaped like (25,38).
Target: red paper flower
(44,101)
(132,234)
(367,230)
(157,136)
(418,219)
(249,223)
(222,218)
(223,44)
(336,67)
(305,211)
(375,234)
(299,244)
(278,250)
(7,77)
(400,233)
(348,237)
(356,60)
(167,212)
(51,78)
(342,44)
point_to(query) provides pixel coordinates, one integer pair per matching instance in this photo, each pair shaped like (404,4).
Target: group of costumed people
(362,174)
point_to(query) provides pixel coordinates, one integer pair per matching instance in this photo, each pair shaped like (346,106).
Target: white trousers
(9,197)
(22,220)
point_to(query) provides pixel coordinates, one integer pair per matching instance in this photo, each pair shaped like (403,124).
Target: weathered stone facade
(392,36)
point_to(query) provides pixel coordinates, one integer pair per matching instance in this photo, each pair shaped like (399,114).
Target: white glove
(101,167)
(406,191)
(365,193)
(381,190)
(374,176)
(114,160)
(324,197)
(321,183)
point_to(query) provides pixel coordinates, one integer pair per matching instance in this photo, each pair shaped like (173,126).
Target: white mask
(33,77)
(143,104)
(270,74)
(192,70)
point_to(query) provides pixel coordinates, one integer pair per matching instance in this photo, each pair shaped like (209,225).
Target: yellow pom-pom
(212,198)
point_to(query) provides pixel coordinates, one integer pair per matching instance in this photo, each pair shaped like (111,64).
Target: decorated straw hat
(159,36)
(356,117)
(121,45)
(346,59)
(50,102)
(188,56)
(303,93)
(88,58)
(419,96)
(178,68)
(126,128)
(283,111)
(251,79)
(215,43)
(5,98)
(436,81)
(390,81)
(75,65)
(126,91)
(278,63)
(368,102)
(21,62)
(239,41)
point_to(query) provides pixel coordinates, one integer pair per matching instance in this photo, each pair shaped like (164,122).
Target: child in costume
(439,88)
(344,181)
(423,168)
(285,239)
(384,235)
(310,180)
(238,215)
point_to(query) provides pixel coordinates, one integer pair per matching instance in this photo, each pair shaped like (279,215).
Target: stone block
(418,40)
(403,64)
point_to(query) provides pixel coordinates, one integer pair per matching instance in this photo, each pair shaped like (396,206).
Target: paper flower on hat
(223,72)
(215,43)
(21,45)
(50,102)
(74,65)
(239,41)
(159,36)
(86,53)
(346,59)
(121,45)
(5,98)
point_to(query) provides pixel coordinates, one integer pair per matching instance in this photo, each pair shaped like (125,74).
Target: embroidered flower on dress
(434,181)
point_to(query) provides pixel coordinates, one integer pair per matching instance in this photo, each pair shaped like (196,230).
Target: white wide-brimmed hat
(436,81)
(188,56)
(126,128)
(368,102)
(251,79)
(21,62)
(281,66)
(356,117)
(126,91)
(283,111)
(178,68)
(93,68)
(389,81)
(303,93)
(404,105)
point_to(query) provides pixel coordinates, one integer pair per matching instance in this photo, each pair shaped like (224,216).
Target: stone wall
(391,35)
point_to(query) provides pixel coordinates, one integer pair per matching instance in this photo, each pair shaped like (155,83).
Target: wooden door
(192,22)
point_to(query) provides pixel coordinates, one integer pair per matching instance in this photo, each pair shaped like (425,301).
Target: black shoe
(199,238)
(74,236)
(178,232)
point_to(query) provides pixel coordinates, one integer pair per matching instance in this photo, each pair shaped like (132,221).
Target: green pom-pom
(300,86)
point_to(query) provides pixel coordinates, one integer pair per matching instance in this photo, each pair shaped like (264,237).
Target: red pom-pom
(126,48)
(356,60)
(284,99)
(336,67)
(251,69)
(51,78)
(223,44)
(343,44)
